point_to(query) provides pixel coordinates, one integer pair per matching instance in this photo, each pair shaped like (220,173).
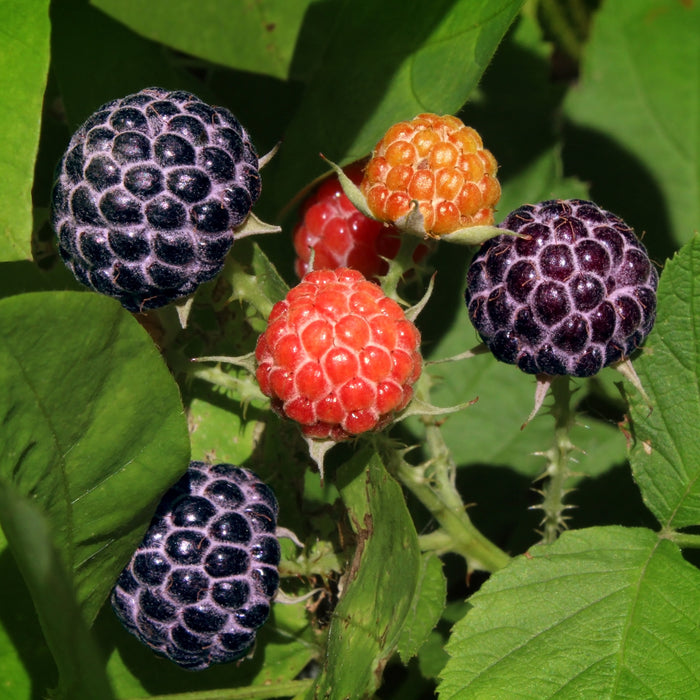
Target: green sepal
(475,235)
(253,226)
(351,190)
(317,451)
(417,407)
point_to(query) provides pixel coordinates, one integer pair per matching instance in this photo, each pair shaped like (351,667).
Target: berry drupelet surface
(201,582)
(441,164)
(148,194)
(576,294)
(339,235)
(338,356)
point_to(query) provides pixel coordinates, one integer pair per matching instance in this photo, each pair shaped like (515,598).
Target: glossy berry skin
(574,296)
(338,356)
(201,582)
(339,235)
(148,194)
(438,162)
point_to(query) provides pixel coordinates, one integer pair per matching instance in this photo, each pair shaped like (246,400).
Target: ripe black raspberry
(574,296)
(201,582)
(147,194)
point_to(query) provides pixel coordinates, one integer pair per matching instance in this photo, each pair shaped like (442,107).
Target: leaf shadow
(19,621)
(621,183)
(159,676)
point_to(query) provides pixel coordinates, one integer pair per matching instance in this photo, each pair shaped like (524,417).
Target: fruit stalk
(434,485)
(557,471)
(440,496)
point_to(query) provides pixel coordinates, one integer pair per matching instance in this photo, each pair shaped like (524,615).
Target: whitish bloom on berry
(439,163)
(576,294)
(148,194)
(201,582)
(338,356)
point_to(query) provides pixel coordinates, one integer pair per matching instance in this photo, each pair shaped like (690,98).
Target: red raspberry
(438,162)
(340,235)
(338,356)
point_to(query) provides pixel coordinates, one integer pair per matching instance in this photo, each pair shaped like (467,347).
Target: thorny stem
(439,495)
(244,388)
(247,287)
(558,456)
(433,483)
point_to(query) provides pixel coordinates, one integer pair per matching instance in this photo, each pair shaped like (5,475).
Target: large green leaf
(426,608)
(120,62)
(602,613)
(637,100)
(284,646)
(258,36)
(25,659)
(24,62)
(91,428)
(385,62)
(666,455)
(381,582)
(29,533)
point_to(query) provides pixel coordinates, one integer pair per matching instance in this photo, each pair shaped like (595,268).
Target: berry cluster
(148,193)
(200,584)
(575,294)
(438,162)
(338,356)
(339,235)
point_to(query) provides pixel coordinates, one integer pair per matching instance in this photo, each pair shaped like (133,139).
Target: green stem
(558,470)
(439,495)
(684,540)
(245,387)
(555,17)
(434,485)
(248,289)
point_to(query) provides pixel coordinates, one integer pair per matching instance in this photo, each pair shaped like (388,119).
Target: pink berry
(338,356)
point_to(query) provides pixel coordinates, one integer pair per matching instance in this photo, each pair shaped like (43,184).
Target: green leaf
(386,62)
(218,431)
(601,613)
(91,428)
(81,672)
(258,37)
(637,100)
(124,62)
(666,456)
(541,179)
(24,62)
(381,582)
(25,660)
(426,608)
(283,647)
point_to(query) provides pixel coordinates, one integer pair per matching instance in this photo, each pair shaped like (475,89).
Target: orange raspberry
(438,162)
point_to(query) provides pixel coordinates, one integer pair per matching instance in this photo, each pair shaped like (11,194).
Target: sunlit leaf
(602,613)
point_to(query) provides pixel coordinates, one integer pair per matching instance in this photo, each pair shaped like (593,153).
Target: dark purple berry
(202,581)
(573,296)
(152,163)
